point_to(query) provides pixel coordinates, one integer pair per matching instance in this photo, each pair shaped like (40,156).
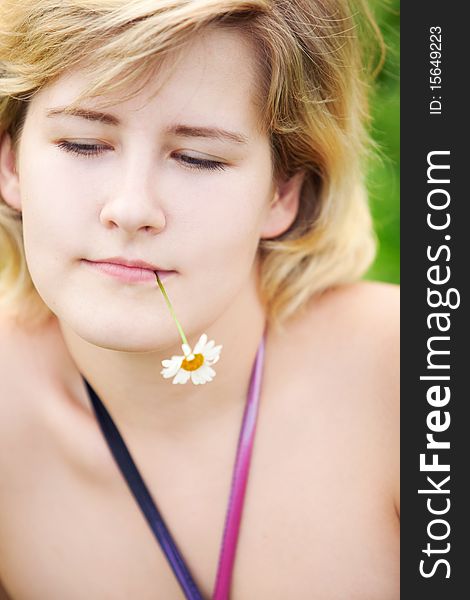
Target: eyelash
(88,150)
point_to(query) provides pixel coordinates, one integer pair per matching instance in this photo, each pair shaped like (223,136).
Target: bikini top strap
(239,480)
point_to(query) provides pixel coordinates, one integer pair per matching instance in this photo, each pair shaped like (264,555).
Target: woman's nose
(135,204)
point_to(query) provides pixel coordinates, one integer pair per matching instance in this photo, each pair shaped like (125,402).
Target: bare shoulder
(365,304)
(349,337)
(361,319)
(358,327)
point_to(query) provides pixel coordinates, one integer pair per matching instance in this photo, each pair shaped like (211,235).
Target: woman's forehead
(214,75)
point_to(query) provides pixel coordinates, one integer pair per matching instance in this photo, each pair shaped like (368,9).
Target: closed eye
(82,149)
(200,163)
(89,150)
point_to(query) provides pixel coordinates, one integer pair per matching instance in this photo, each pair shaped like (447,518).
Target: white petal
(209,371)
(182,376)
(206,373)
(174,360)
(195,377)
(213,351)
(177,358)
(212,356)
(186,349)
(200,376)
(200,345)
(171,370)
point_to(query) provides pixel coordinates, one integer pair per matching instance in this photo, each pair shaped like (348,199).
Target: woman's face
(149,183)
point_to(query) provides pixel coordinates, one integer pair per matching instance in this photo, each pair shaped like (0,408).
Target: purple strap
(149,508)
(239,480)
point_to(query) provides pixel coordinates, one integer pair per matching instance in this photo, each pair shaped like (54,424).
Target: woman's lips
(127,274)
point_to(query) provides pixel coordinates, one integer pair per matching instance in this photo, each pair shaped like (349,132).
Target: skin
(321,513)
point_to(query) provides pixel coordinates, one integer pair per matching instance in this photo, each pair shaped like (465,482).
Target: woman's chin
(119,336)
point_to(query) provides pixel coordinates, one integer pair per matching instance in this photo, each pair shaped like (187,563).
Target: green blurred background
(384,170)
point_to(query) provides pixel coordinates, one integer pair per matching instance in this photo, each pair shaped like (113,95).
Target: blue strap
(141,493)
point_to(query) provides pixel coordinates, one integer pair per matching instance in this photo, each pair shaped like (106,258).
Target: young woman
(218,144)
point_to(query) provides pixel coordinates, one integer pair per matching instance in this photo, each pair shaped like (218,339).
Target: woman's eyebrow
(84,113)
(178,129)
(207,132)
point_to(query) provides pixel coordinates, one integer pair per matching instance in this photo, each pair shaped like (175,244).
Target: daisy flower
(194,365)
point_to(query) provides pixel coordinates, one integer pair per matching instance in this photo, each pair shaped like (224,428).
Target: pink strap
(239,480)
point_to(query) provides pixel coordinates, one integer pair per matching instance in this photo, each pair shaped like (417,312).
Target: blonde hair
(312,97)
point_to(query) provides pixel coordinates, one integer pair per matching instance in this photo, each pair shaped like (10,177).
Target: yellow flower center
(192,365)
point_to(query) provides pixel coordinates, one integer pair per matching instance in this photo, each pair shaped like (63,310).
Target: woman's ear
(284,206)
(9,180)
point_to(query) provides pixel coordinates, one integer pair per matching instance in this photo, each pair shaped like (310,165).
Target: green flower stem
(180,329)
